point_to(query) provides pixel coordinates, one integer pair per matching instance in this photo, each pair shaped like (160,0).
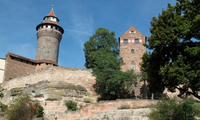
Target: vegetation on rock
(173,109)
(23,108)
(124,107)
(102,56)
(1,92)
(71,105)
(39,111)
(3,107)
(20,109)
(174,62)
(88,100)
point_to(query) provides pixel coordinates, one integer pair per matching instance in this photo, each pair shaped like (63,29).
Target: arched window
(132,51)
(133,65)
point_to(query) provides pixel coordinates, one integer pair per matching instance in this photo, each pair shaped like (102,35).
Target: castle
(45,81)
(49,35)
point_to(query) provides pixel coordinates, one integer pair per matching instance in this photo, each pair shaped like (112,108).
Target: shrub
(39,111)
(71,105)
(3,107)
(20,109)
(196,107)
(167,109)
(124,107)
(1,92)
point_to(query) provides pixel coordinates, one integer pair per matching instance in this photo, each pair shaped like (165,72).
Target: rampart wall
(90,108)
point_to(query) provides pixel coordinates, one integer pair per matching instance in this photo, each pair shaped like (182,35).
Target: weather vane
(52,6)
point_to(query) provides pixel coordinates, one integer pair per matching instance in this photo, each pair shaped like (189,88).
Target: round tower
(49,35)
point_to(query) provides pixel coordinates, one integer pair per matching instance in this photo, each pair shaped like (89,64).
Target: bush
(71,105)
(39,111)
(20,109)
(167,109)
(3,107)
(124,107)
(196,107)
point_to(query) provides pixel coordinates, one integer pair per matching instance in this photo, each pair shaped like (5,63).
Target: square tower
(132,49)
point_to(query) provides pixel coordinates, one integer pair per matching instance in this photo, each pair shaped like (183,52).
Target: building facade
(2,67)
(132,49)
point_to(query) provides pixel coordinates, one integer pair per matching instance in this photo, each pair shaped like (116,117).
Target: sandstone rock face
(127,114)
(51,90)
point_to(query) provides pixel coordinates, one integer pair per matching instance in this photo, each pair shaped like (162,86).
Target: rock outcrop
(50,91)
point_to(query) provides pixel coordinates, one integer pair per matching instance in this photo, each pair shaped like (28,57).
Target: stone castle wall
(48,44)
(58,109)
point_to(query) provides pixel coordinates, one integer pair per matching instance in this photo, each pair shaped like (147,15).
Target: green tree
(102,56)
(174,62)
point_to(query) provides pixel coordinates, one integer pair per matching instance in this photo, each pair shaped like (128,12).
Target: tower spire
(52,6)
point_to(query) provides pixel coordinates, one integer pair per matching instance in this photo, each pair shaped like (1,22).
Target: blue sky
(79,18)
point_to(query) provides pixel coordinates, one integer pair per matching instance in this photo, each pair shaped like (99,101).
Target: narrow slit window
(133,65)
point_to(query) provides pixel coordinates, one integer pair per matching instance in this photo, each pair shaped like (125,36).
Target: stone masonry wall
(91,108)
(125,49)
(48,44)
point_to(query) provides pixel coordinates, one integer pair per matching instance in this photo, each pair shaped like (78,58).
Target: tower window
(125,41)
(136,41)
(132,51)
(132,32)
(132,65)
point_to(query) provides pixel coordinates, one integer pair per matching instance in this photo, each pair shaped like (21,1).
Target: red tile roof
(51,22)
(52,14)
(47,61)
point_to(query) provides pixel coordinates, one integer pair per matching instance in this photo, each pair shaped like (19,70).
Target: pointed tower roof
(50,19)
(132,32)
(51,14)
(132,29)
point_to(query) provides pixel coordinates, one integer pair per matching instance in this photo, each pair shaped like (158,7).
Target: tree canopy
(174,62)
(102,56)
